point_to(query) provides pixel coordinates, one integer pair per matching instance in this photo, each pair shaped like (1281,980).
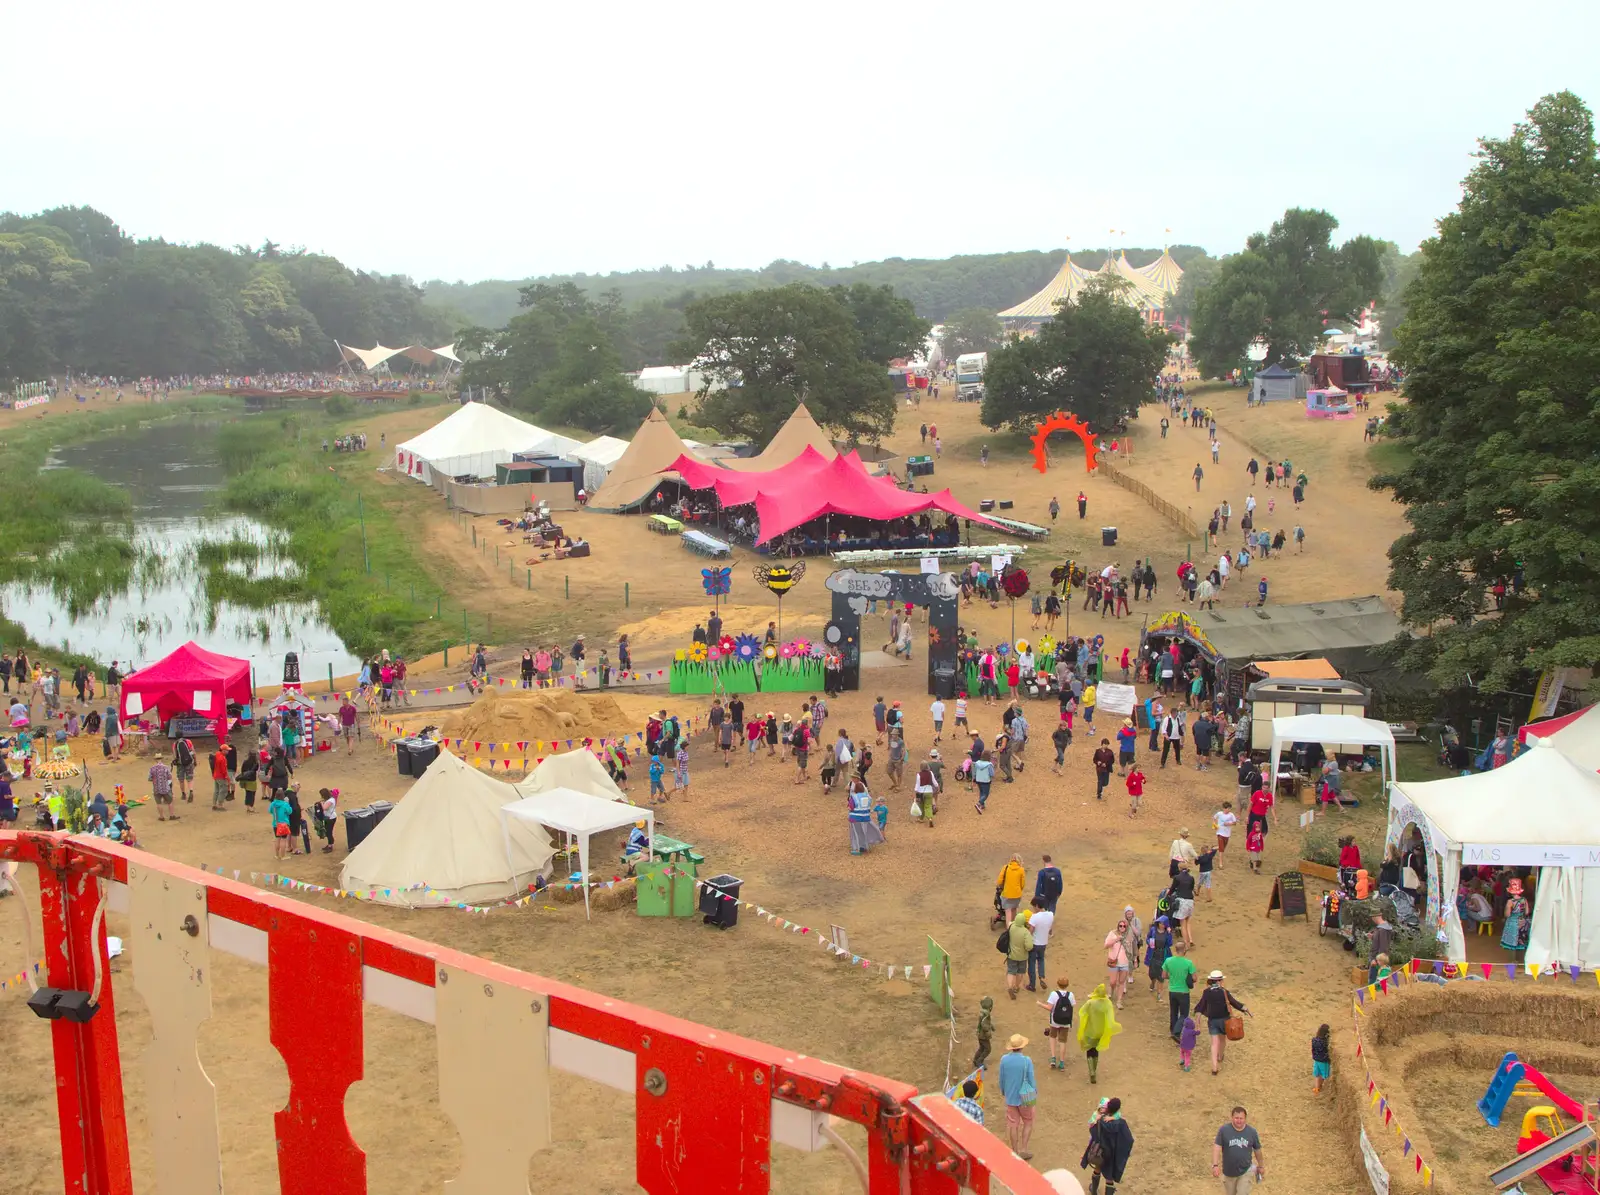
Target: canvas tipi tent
(472,440)
(799,432)
(577,770)
(446,834)
(639,470)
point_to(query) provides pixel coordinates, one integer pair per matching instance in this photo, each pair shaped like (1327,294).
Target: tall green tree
(889,325)
(1501,346)
(41,293)
(1200,273)
(971,330)
(1096,358)
(1286,288)
(770,349)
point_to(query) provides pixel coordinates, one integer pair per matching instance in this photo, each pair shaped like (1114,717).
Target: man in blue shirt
(1016,1074)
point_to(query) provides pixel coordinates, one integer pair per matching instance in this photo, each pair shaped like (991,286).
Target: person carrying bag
(1215,1005)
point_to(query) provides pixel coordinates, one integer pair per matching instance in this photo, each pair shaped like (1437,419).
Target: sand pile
(536,715)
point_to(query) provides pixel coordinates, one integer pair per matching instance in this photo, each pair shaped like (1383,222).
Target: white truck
(969,375)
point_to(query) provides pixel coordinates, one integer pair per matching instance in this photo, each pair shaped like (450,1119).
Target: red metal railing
(709,1106)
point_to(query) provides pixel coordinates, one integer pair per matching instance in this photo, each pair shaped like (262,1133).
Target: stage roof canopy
(375,356)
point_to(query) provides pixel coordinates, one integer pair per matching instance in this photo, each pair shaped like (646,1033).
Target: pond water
(173,474)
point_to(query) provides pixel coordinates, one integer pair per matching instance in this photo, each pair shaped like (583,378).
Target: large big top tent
(190,679)
(443,844)
(1540,810)
(471,440)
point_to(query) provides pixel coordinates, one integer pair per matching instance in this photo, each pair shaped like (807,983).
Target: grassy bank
(351,537)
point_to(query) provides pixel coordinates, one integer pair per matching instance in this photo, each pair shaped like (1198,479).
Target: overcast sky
(489,139)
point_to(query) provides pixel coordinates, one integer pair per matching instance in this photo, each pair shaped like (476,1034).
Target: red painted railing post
(314,993)
(94,1128)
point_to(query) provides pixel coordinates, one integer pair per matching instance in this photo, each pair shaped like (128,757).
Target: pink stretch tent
(190,679)
(811,486)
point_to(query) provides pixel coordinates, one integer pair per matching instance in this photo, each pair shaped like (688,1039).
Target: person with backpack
(1058,1006)
(1110,1145)
(1016,943)
(183,768)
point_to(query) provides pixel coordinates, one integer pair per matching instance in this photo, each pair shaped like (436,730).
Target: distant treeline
(75,291)
(937,288)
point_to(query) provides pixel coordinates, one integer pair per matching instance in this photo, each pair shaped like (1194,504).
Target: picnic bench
(706,545)
(670,850)
(664,524)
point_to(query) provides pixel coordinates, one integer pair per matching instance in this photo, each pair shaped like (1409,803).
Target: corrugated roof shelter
(1278,632)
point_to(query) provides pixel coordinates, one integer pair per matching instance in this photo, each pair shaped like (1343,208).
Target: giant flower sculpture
(697,653)
(747,647)
(1047,646)
(726,645)
(1014,580)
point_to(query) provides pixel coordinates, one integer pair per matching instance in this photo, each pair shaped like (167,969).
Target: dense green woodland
(76,291)
(937,288)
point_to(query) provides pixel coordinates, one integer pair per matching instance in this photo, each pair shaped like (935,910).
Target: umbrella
(1333,331)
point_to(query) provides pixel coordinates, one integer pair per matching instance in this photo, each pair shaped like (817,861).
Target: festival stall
(1329,403)
(1338,734)
(1540,810)
(191,680)
(297,710)
(1176,627)
(577,815)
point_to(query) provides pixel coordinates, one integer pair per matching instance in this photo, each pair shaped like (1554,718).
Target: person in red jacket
(1135,783)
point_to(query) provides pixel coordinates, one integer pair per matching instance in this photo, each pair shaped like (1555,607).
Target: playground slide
(1569,1107)
(1540,1156)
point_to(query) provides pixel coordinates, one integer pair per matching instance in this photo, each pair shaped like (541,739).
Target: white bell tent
(1339,734)
(1540,810)
(445,833)
(575,814)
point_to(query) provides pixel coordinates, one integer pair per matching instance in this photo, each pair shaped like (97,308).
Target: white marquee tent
(598,455)
(577,815)
(471,440)
(446,833)
(1540,810)
(1338,734)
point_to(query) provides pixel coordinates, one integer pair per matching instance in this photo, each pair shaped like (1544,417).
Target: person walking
(983,777)
(1020,1091)
(1019,945)
(1118,963)
(1040,922)
(1179,971)
(1055,508)
(1214,1005)
(1083,504)
(1097,1025)
(1047,885)
(1236,1156)
(1010,881)
(1198,474)
(1172,736)
(1110,1146)
(1104,760)
(1157,949)
(1059,1006)
(1183,886)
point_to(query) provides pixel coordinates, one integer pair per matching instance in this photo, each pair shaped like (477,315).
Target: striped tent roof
(1149,286)
(1164,272)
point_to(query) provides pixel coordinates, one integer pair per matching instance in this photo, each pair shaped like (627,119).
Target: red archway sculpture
(1061,421)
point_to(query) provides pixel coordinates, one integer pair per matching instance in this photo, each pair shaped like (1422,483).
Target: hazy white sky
(485,138)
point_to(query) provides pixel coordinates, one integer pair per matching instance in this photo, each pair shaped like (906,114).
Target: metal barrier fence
(709,1106)
(1176,515)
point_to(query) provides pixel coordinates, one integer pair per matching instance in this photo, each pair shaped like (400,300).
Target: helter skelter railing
(709,1106)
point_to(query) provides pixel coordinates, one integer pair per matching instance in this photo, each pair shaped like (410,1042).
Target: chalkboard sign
(1288,895)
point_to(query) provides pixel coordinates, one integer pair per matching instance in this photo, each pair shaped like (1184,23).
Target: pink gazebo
(190,680)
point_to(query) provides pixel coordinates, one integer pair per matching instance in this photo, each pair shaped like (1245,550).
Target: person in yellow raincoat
(1097,1025)
(1010,881)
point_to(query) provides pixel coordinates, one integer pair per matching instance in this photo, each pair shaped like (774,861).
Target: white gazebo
(578,816)
(1339,734)
(1540,810)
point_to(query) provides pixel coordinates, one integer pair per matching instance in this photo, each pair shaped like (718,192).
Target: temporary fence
(709,1106)
(1176,515)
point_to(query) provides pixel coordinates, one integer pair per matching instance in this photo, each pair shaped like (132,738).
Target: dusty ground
(756,980)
